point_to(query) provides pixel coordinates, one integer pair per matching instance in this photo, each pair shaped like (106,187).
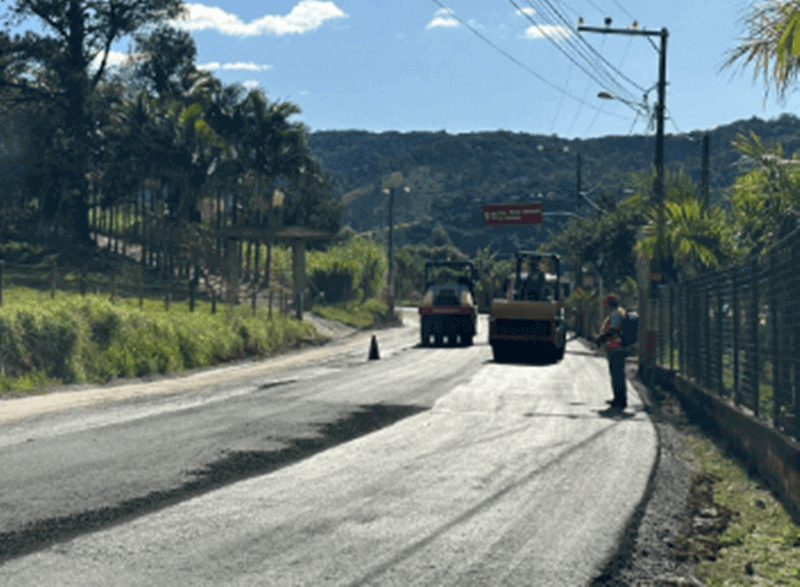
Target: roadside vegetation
(75,339)
(353,313)
(741,534)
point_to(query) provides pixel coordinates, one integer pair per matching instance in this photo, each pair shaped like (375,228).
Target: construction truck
(448,309)
(528,323)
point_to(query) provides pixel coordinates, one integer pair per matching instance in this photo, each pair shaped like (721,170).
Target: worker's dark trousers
(616,364)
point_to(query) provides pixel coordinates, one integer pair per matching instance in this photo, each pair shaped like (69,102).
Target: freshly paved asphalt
(427,467)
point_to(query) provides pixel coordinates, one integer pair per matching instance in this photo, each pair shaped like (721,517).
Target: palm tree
(772,44)
(697,238)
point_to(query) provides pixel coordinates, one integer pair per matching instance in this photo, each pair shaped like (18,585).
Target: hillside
(452,176)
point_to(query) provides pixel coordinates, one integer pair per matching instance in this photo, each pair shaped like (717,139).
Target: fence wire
(736,333)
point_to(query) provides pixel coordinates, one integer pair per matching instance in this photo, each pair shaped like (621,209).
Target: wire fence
(736,333)
(128,279)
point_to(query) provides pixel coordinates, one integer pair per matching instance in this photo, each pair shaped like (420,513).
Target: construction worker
(615,351)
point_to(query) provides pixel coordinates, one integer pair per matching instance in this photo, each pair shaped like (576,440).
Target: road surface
(426,467)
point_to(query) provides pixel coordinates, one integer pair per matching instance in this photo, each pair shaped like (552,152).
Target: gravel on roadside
(650,551)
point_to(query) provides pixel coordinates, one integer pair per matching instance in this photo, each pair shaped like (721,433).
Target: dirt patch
(705,523)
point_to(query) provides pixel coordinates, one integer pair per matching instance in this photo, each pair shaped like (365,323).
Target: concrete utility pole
(704,173)
(654,277)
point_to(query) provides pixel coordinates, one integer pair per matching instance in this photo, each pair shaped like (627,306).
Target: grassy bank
(75,339)
(760,544)
(353,313)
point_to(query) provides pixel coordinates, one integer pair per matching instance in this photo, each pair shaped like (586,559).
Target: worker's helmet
(611,300)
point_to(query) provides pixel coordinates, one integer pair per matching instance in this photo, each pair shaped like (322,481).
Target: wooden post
(114,285)
(193,283)
(269,315)
(168,295)
(83,280)
(213,300)
(299,275)
(2,266)
(53,280)
(141,286)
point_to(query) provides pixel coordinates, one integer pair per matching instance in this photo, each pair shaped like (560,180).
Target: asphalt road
(427,467)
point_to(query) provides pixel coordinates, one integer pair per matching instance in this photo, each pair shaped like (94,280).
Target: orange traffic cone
(373,349)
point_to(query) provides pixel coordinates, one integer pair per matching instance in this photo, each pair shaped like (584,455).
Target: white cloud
(307,15)
(442,21)
(442,18)
(554,31)
(250,85)
(528,11)
(117,59)
(250,66)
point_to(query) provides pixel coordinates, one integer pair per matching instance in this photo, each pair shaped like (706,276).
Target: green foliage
(355,313)
(74,339)
(771,45)
(765,200)
(357,267)
(760,534)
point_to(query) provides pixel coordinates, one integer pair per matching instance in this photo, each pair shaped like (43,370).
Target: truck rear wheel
(499,352)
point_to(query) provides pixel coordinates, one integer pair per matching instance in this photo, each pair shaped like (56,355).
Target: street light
(393,181)
(654,276)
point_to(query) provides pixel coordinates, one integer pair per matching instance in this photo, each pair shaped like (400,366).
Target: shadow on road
(234,466)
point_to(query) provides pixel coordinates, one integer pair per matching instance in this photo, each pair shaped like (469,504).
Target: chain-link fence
(736,333)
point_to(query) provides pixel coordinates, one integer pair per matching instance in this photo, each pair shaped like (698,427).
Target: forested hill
(452,176)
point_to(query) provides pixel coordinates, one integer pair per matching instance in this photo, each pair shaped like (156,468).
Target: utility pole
(654,277)
(704,173)
(390,277)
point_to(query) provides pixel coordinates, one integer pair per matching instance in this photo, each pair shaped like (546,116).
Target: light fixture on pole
(395,179)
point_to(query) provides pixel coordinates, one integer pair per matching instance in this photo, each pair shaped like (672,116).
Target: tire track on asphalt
(478,508)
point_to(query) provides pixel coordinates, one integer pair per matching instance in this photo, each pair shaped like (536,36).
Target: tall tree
(58,68)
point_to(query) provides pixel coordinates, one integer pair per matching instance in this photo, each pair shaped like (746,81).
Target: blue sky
(421,64)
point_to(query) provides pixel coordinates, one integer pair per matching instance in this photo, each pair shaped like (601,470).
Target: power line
(519,63)
(598,54)
(562,50)
(561,99)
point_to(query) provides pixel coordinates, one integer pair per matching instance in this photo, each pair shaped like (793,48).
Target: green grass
(762,536)
(353,313)
(74,339)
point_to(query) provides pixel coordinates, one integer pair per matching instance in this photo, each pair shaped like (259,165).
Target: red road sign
(512,214)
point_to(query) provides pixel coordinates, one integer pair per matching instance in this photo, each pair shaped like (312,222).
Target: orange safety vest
(614,342)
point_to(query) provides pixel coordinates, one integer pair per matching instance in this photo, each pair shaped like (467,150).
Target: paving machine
(528,323)
(448,309)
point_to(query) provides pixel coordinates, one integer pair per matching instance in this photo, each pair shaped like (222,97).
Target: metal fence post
(708,363)
(754,359)
(777,359)
(720,335)
(682,330)
(671,326)
(737,392)
(2,267)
